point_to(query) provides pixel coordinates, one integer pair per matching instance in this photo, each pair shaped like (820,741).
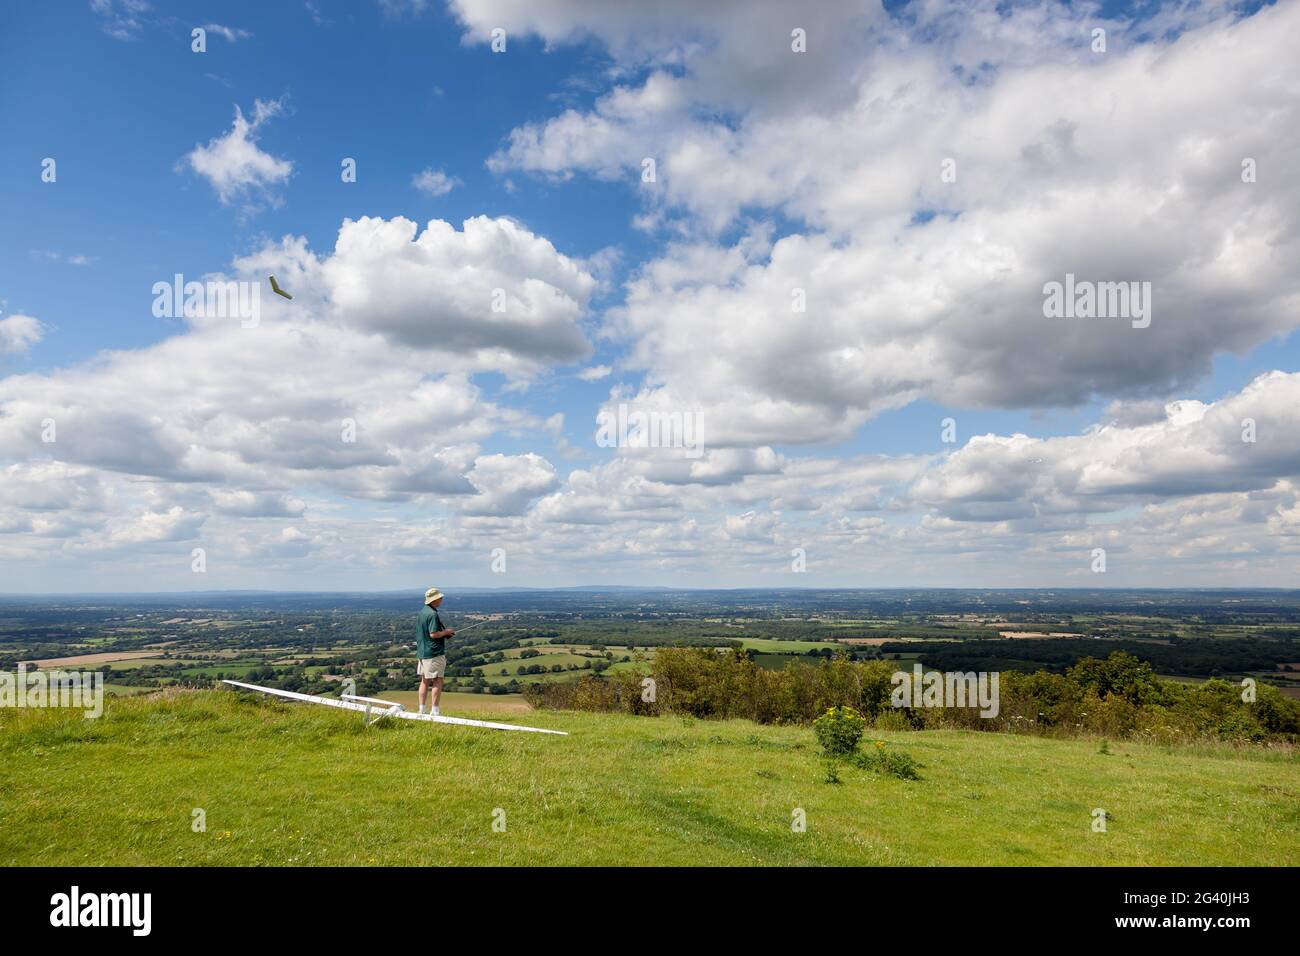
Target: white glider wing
(385,708)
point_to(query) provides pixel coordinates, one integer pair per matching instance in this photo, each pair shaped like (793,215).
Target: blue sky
(396,94)
(113,92)
(422,99)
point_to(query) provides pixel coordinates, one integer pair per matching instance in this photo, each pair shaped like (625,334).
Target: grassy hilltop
(286,784)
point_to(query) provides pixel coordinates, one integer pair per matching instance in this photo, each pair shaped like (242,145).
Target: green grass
(456,704)
(512,662)
(228,669)
(566,650)
(635,666)
(564,655)
(292,784)
(491,677)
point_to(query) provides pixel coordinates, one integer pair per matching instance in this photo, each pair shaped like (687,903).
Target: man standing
(431,649)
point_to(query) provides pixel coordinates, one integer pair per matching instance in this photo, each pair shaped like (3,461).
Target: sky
(815,242)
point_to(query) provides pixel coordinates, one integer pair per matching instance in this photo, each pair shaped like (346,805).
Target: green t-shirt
(426,646)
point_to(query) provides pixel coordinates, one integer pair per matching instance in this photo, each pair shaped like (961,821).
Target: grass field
(292,784)
(563,655)
(768,646)
(456,704)
(513,661)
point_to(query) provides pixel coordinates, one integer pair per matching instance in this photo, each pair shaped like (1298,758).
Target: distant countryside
(310,643)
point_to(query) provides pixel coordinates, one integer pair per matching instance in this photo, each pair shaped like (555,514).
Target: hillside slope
(291,784)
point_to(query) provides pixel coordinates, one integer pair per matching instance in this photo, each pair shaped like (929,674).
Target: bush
(620,692)
(839,730)
(893,763)
(892,721)
(1119,698)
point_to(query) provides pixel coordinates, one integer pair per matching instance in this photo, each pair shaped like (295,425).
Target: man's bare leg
(437,693)
(424,689)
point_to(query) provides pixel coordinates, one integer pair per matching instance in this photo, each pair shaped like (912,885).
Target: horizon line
(630,587)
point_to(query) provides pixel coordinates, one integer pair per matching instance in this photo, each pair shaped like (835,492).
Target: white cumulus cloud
(234,164)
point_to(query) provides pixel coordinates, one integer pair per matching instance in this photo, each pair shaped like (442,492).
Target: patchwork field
(86,659)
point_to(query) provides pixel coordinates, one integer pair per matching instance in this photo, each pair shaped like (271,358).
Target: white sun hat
(432,595)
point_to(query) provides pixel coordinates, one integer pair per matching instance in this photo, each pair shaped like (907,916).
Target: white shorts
(431,666)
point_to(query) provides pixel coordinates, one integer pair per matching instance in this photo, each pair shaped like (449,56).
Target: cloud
(233,163)
(121,19)
(1180,500)
(1187,497)
(316,394)
(434,183)
(493,290)
(174,524)
(736,53)
(70,259)
(397,8)
(18,333)
(917,288)
(750,526)
(829,275)
(249,504)
(507,483)
(51,486)
(230,34)
(1246,442)
(612,494)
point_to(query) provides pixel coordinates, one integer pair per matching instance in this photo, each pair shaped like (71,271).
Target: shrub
(839,730)
(893,763)
(1118,697)
(1121,675)
(892,720)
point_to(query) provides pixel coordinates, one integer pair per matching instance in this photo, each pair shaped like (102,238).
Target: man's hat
(432,595)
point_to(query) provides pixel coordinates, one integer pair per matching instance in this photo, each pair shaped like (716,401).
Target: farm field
(545,639)
(81,660)
(770,646)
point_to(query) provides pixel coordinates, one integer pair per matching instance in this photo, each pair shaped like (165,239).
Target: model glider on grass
(376,709)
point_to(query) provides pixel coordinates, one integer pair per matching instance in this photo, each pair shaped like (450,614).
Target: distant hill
(1259,606)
